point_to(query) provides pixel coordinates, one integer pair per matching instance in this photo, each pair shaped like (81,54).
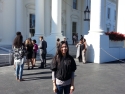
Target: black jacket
(63,69)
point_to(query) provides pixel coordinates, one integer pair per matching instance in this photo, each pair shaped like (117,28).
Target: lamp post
(87,13)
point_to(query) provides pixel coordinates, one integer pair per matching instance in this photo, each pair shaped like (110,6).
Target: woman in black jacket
(63,67)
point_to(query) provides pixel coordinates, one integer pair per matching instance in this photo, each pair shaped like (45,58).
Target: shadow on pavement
(115,62)
(37,67)
(46,72)
(37,78)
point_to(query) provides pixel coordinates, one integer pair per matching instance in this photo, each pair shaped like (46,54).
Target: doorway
(74,28)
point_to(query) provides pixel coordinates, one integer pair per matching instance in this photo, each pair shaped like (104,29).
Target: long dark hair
(18,41)
(59,55)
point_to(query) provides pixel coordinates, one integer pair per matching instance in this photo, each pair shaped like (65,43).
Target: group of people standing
(27,49)
(63,65)
(81,50)
(30,51)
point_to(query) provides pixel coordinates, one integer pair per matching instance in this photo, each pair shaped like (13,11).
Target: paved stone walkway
(90,78)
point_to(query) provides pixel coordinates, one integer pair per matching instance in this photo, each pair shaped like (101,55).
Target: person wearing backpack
(18,49)
(35,48)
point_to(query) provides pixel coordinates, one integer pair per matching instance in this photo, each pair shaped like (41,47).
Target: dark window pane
(108,13)
(32,24)
(74,4)
(32,32)
(32,21)
(73,27)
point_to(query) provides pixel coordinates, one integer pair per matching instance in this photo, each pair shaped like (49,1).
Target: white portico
(99,50)
(62,18)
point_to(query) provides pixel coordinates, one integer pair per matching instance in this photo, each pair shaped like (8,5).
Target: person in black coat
(42,46)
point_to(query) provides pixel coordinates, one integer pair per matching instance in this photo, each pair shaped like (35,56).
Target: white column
(56,17)
(120,16)
(47,15)
(96,39)
(19,16)
(55,27)
(97,20)
(1,20)
(39,18)
(68,22)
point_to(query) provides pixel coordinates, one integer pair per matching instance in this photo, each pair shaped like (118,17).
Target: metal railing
(6,57)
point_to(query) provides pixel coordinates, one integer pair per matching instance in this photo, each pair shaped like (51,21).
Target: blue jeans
(66,89)
(19,68)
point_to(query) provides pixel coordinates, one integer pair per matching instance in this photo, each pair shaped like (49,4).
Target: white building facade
(61,18)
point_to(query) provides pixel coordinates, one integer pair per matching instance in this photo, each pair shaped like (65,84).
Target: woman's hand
(54,88)
(72,88)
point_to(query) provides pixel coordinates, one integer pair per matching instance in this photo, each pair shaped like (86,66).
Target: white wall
(47,15)
(8,23)
(73,15)
(1,20)
(9,19)
(110,23)
(29,8)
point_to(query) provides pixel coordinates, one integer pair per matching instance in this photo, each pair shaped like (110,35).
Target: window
(115,15)
(107,29)
(74,4)
(108,13)
(74,27)
(32,24)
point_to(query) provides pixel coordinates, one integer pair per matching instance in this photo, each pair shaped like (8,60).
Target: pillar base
(99,51)
(36,37)
(95,42)
(51,43)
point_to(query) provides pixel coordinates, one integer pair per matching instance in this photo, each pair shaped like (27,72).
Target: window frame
(31,26)
(74,24)
(75,3)
(108,12)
